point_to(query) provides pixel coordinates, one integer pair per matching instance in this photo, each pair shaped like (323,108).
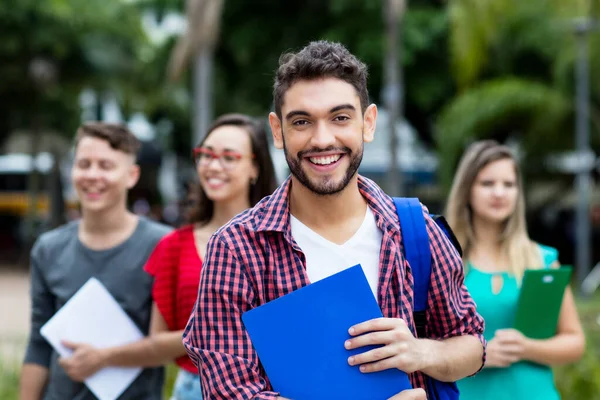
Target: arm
(565,347)
(161,347)
(459,346)
(33,382)
(34,375)
(456,347)
(569,343)
(441,363)
(215,337)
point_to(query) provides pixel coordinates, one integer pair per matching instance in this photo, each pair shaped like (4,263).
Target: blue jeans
(187,386)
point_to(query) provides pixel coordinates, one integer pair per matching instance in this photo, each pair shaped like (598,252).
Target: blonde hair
(521,252)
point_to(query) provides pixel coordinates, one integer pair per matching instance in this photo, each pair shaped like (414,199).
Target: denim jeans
(187,386)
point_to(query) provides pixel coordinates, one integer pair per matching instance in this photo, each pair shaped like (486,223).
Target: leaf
(501,108)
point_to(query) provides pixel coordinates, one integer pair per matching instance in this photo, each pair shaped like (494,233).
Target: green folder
(540,300)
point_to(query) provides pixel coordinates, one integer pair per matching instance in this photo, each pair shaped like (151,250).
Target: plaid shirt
(254,259)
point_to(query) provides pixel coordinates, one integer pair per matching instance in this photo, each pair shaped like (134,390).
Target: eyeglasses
(228,159)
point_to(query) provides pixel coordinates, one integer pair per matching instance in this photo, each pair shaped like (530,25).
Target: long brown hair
(203,208)
(520,250)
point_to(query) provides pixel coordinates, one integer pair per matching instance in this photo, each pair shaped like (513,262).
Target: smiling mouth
(215,181)
(325,160)
(92,192)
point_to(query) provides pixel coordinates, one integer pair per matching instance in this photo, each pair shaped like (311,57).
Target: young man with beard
(324,219)
(108,243)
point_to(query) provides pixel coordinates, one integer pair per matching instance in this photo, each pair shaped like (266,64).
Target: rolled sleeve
(215,338)
(451,310)
(38,349)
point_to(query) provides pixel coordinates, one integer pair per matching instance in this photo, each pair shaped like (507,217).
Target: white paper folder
(93,316)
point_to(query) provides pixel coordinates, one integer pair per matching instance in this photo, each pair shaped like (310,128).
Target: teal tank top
(522,380)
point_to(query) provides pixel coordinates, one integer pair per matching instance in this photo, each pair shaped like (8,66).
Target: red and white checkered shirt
(254,259)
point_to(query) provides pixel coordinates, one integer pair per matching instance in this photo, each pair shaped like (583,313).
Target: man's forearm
(452,359)
(152,351)
(33,382)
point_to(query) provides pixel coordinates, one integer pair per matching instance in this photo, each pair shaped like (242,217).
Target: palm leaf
(474,26)
(531,111)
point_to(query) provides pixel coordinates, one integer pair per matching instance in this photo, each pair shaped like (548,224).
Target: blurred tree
(513,64)
(49,52)
(89,43)
(254,34)
(198,44)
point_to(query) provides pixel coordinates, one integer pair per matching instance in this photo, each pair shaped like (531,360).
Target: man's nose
(323,137)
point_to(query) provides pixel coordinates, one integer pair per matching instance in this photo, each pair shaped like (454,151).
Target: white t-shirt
(325,258)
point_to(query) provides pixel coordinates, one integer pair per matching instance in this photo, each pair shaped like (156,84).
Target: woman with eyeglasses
(235,171)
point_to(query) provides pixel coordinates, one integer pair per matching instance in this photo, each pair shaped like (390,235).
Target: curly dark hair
(202,209)
(320,59)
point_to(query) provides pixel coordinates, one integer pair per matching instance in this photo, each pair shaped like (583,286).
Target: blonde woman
(486,211)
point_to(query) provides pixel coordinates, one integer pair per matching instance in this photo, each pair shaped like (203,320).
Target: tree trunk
(57,200)
(33,189)
(203,99)
(393,92)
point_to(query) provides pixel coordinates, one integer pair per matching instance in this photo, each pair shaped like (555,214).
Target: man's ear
(276,130)
(133,176)
(369,123)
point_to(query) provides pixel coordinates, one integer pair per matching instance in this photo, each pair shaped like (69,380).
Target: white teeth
(325,160)
(215,181)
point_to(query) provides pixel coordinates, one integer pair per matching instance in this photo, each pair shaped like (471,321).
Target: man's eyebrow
(303,113)
(342,107)
(294,113)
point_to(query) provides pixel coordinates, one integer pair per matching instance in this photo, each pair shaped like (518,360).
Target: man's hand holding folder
(300,339)
(400,349)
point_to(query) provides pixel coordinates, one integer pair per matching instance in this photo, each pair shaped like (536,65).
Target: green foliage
(474,27)
(9,379)
(249,48)
(89,43)
(500,109)
(582,379)
(171,371)
(499,37)
(513,62)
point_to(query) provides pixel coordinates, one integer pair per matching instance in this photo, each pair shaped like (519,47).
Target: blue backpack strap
(416,247)
(417,252)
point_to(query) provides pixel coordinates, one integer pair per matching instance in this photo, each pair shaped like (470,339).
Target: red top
(175,266)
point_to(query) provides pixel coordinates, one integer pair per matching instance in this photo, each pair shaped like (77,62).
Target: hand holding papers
(300,340)
(93,316)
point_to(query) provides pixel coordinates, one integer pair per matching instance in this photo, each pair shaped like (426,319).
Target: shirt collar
(276,216)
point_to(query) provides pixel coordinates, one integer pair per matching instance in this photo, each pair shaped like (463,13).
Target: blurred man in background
(109,243)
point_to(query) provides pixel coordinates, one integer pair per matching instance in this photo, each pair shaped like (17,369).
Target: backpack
(418,255)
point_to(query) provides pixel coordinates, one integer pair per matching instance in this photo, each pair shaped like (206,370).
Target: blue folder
(300,339)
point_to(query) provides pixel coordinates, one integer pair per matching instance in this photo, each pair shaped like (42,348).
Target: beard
(325,186)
